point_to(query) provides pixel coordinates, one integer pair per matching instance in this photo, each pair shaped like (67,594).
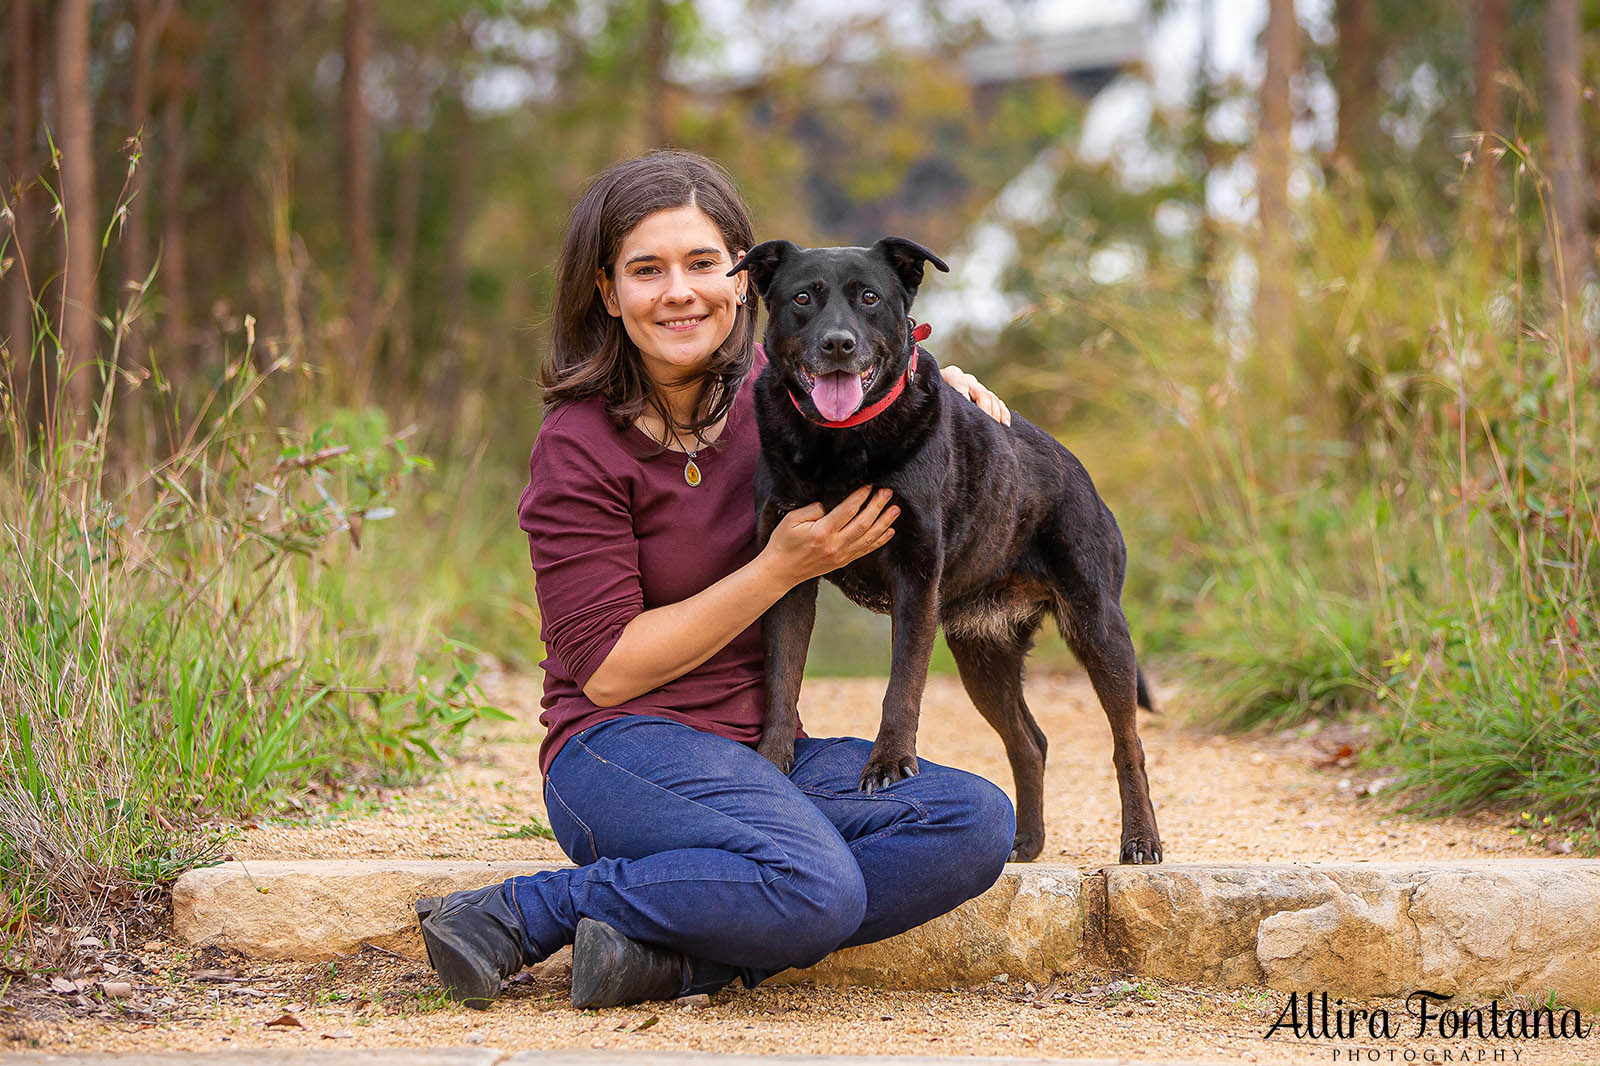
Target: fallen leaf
(1338,757)
(647,1023)
(66,987)
(285,1021)
(342,1034)
(116,989)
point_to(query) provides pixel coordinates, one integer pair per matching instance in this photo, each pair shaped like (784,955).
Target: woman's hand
(972,389)
(810,542)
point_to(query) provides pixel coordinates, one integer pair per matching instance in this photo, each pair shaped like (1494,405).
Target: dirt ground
(1291,797)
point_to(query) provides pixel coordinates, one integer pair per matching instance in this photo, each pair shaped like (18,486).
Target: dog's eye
(869,297)
(802,298)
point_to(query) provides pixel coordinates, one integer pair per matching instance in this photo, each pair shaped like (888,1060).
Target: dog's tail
(1143,695)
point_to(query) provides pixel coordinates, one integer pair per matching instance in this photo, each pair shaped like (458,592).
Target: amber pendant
(691,474)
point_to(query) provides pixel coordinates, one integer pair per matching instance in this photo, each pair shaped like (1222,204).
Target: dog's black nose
(838,343)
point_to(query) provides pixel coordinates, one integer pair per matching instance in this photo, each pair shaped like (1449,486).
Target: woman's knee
(984,825)
(816,907)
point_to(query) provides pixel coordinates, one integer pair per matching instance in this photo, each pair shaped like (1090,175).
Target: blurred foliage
(1403,519)
(506,108)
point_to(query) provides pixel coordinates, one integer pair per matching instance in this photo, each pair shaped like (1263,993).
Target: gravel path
(1218,799)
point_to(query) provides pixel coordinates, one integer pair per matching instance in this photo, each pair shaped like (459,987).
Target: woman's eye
(644,272)
(869,297)
(703,264)
(802,298)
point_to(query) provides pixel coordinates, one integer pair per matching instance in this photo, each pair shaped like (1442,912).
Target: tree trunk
(1274,311)
(1356,81)
(149,20)
(407,207)
(279,275)
(1490,32)
(1565,133)
(446,369)
(657,50)
(174,257)
(358,182)
(75,122)
(17,192)
(1207,238)
(260,60)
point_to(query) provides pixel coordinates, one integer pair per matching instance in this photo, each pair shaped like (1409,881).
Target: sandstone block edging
(1482,928)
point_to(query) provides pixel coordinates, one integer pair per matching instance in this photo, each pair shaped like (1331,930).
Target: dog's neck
(877,407)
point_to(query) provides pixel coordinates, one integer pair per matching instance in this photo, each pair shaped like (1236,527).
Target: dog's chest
(863,584)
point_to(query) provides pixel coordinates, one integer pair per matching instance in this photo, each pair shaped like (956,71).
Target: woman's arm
(667,642)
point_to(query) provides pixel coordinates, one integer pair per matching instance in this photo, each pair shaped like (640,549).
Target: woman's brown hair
(590,351)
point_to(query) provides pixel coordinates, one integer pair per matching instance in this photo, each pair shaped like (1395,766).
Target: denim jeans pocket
(572,833)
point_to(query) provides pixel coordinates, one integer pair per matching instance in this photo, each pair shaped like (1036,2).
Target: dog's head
(836,317)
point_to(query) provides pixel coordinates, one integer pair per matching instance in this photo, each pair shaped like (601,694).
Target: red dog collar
(873,410)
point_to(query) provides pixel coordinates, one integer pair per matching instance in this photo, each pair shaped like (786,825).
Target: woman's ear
(608,293)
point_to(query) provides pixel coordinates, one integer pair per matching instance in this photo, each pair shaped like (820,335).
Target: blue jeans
(697,843)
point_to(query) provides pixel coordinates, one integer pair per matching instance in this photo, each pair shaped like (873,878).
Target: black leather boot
(610,970)
(474,941)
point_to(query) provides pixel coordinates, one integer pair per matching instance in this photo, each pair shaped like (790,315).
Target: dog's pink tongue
(837,395)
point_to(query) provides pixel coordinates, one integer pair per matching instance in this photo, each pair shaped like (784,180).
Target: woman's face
(670,287)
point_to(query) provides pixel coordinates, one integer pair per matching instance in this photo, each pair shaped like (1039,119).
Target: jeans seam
(588,834)
(868,839)
(778,874)
(869,797)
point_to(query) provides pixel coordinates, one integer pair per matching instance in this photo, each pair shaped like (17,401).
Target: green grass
(183,643)
(533,830)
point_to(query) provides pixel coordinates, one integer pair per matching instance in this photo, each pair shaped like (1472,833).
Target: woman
(699,861)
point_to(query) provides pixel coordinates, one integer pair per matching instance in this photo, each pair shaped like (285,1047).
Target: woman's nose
(678,287)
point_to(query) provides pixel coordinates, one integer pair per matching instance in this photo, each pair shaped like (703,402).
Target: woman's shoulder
(584,420)
(579,430)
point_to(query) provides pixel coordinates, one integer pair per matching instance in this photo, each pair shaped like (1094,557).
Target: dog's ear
(907,258)
(762,261)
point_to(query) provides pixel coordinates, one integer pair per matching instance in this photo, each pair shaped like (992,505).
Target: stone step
(1482,928)
(1030,923)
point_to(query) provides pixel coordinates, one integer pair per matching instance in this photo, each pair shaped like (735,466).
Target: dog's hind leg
(992,674)
(1098,635)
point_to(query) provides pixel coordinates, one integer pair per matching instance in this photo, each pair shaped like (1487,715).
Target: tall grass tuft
(168,658)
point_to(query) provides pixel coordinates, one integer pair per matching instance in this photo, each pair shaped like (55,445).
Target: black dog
(999,525)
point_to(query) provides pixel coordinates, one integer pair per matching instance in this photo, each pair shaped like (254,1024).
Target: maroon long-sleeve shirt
(613,530)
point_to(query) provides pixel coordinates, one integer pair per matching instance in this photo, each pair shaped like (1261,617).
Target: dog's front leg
(785,636)
(915,612)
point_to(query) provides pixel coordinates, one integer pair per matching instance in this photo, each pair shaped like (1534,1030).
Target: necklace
(691,469)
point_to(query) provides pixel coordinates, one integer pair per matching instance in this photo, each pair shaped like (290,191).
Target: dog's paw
(779,753)
(1026,847)
(1141,850)
(882,771)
